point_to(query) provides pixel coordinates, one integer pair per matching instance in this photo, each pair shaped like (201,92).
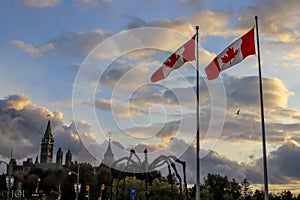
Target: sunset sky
(88,64)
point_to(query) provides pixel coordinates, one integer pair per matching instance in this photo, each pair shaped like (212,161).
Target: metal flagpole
(197,119)
(262,117)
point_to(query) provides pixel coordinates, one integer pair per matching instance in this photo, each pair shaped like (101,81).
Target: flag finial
(197,27)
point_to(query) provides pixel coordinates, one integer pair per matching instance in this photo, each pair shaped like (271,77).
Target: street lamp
(77,185)
(37,184)
(8,171)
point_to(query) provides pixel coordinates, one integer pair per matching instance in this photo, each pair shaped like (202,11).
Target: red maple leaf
(230,55)
(171,60)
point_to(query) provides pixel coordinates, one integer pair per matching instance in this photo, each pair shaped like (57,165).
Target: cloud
(23,124)
(31,49)
(177,24)
(214,23)
(87,2)
(244,91)
(213,163)
(177,107)
(77,45)
(273,26)
(41,4)
(282,161)
(17,102)
(282,166)
(278,55)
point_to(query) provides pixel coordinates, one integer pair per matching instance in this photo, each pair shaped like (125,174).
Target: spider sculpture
(142,170)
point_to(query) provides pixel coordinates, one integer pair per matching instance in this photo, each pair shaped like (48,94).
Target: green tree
(287,195)
(217,185)
(234,189)
(228,196)
(158,190)
(274,196)
(258,195)
(104,177)
(30,183)
(245,189)
(86,177)
(163,190)
(127,183)
(205,195)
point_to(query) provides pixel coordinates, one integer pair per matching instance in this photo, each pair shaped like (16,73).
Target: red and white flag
(184,54)
(233,54)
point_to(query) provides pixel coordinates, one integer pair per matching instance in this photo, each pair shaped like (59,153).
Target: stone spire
(47,145)
(59,158)
(108,156)
(68,158)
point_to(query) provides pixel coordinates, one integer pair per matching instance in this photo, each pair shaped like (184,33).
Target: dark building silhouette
(107,160)
(46,156)
(59,158)
(108,156)
(68,158)
(47,145)
(36,159)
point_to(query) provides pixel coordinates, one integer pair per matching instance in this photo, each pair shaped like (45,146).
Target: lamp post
(37,184)
(8,171)
(76,185)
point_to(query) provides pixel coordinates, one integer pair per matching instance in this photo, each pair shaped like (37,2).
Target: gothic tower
(68,158)
(59,158)
(108,156)
(47,146)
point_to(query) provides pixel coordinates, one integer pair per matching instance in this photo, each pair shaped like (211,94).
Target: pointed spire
(36,159)
(68,158)
(48,131)
(108,150)
(47,145)
(59,157)
(48,137)
(108,156)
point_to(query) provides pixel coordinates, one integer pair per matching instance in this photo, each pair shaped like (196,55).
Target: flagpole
(262,117)
(197,120)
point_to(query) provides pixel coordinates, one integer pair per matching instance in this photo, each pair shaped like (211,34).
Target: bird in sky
(237,112)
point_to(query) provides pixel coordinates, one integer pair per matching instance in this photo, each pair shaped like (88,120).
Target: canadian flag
(233,54)
(184,54)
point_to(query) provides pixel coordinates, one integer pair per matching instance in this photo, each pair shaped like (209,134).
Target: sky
(88,64)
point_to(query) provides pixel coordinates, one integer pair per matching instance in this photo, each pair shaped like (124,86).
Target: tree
(161,190)
(30,183)
(287,195)
(245,186)
(49,183)
(228,196)
(205,195)
(234,189)
(155,175)
(104,177)
(258,195)
(217,185)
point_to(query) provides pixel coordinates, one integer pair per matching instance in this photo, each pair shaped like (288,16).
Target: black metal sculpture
(144,169)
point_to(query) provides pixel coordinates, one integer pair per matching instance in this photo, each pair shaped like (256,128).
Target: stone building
(46,156)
